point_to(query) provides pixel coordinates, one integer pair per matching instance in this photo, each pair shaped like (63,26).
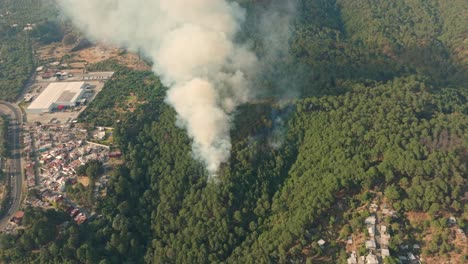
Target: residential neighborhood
(377,240)
(53,152)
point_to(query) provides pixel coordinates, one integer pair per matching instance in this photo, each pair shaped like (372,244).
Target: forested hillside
(382,113)
(272,199)
(16,54)
(363,39)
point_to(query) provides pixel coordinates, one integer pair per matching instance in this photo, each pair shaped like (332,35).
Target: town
(52,155)
(55,146)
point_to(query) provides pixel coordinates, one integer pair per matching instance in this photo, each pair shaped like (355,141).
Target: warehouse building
(58,96)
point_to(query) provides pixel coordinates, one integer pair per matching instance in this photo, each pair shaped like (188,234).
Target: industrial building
(58,96)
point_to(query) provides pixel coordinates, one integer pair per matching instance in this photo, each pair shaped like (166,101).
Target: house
(416,247)
(321,242)
(412,258)
(19,214)
(371,259)
(461,234)
(385,253)
(370,220)
(74,213)
(388,212)
(100,135)
(370,244)
(384,239)
(350,240)
(362,260)
(371,230)
(452,220)
(115,154)
(353,258)
(18,217)
(383,229)
(80,218)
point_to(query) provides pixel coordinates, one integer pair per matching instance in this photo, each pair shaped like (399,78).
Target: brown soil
(96,53)
(358,239)
(453,257)
(417,217)
(84,180)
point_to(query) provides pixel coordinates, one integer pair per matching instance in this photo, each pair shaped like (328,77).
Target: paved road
(13,166)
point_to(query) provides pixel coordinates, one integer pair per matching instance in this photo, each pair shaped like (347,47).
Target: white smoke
(191,43)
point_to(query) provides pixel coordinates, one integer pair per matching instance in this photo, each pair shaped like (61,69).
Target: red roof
(19,214)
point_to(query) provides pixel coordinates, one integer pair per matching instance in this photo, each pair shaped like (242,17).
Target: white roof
(411,256)
(57,92)
(370,244)
(352,260)
(370,220)
(372,259)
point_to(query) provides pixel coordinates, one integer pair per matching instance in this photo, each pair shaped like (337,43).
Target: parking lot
(91,76)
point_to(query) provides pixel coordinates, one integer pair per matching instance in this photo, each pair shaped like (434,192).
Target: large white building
(57,95)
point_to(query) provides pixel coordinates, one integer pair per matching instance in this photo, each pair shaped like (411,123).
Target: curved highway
(12,166)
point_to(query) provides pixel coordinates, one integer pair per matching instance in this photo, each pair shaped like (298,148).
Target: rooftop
(321,242)
(371,259)
(19,214)
(370,244)
(370,220)
(59,92)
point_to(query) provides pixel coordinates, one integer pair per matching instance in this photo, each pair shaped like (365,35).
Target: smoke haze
(192,44)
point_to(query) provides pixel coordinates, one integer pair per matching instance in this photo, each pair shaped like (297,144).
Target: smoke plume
(194,49)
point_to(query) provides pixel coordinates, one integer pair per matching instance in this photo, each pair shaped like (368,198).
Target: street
(12,166)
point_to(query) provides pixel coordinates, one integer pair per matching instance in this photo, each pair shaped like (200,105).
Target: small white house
(370,244)
(411,257)
(321,242)
(385,253)
(371,259)
(370,220)
(383,229)
(452,221)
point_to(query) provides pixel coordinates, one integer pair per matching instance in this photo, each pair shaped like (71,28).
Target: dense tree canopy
(404,137)
(16,53)
(383,110)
